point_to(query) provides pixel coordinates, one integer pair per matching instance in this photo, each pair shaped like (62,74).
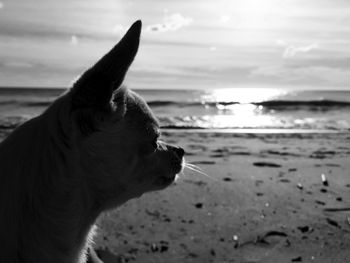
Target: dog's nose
(179,152)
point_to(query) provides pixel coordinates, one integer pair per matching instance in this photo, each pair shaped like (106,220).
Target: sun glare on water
(237,107)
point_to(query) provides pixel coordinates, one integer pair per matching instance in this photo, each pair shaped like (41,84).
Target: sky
(185,44)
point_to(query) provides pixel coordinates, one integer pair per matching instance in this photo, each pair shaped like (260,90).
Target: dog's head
(114,133)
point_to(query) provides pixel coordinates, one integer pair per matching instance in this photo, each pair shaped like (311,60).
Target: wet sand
(263,201)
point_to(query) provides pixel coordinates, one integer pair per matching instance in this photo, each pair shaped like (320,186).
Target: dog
(94,148)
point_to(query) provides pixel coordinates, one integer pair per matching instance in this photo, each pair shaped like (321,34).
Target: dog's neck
(56,201)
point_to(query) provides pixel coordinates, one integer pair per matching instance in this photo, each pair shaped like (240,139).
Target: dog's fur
(92,150)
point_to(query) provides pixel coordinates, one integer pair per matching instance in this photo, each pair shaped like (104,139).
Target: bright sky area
(185,43)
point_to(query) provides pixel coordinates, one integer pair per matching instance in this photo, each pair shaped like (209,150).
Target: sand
(263,201)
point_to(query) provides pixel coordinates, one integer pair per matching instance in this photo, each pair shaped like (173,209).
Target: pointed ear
(95,87)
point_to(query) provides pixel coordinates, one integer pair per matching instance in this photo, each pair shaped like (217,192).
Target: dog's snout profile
(178,151)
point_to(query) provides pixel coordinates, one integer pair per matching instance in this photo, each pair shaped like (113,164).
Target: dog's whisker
(190,165)
(201,173)
(194,166)
(198,171)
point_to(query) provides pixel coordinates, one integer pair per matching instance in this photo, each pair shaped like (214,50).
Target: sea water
(220,110)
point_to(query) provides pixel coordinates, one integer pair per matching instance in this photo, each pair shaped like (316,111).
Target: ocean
(248,110)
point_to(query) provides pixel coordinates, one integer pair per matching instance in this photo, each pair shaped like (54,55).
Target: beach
(265,192)
(255,92)
(263,201)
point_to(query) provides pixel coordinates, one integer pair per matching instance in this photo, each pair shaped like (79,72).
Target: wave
(309,103)
(162,103)
(8,102)
(36,103)
(184,127)
(273,104)
(11,122)
(278,129)
(26,103)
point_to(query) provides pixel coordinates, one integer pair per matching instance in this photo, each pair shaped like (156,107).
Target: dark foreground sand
(264,202)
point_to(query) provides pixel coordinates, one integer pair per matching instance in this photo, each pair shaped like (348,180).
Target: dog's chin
(166,180)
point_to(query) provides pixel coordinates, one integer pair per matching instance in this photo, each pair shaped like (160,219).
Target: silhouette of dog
(92,150)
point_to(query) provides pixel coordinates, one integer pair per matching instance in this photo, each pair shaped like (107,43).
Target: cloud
(292,50)
(1,5)
(171,23)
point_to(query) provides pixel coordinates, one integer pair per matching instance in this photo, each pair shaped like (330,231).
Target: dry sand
(263,202)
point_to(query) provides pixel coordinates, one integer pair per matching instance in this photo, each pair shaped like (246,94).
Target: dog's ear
(94,89)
